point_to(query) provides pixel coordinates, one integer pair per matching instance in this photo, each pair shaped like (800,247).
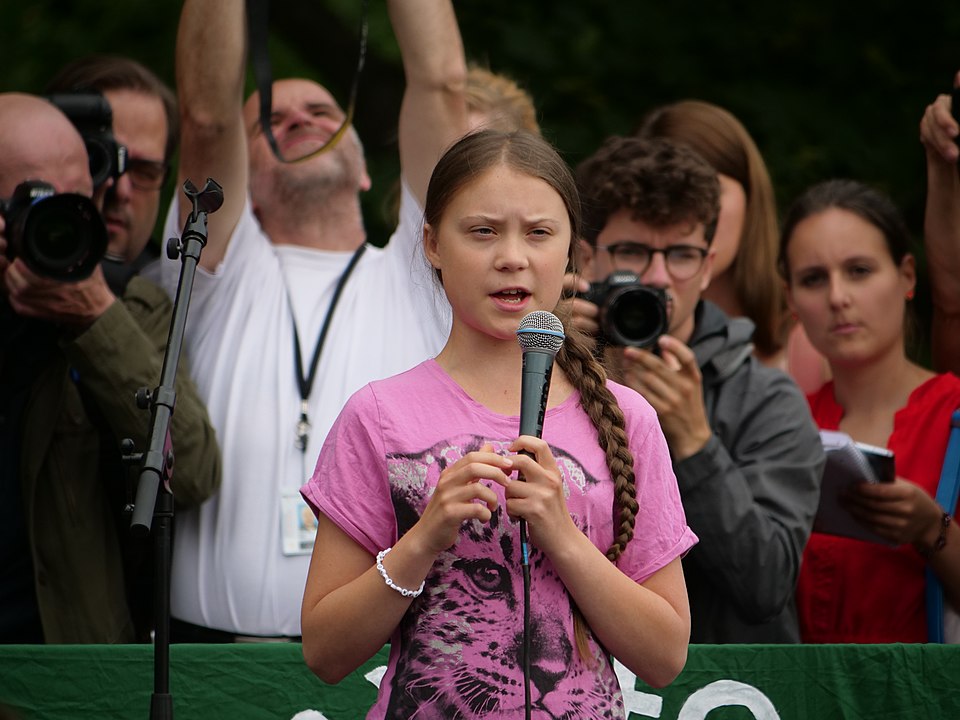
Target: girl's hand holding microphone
(461,495)
(540,499)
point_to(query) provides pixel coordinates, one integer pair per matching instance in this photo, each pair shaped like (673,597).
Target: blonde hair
(505,104)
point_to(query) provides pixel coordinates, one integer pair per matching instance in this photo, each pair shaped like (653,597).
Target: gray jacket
(750,494)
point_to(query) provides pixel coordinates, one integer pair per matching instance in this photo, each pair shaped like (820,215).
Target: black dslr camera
(59,236)
(91,115)
(630,313)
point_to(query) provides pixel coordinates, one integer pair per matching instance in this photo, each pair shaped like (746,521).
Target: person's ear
(908,275)
(365,182)
(585,255)
(430,246)
(707,269)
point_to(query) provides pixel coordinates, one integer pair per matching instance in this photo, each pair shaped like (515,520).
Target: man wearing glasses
(145,123)
(73,355)
(746,454)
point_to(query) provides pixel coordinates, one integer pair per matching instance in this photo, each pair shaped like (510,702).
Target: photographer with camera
(129,122)
(71,360)
(745,452)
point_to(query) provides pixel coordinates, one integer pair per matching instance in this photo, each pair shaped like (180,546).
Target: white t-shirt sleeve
(426,295)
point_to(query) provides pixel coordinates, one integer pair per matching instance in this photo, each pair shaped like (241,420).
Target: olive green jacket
(72,525)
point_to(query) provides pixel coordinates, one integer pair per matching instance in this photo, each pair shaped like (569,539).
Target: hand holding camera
(59,236)
(74,305)
(51,246)
(631,314)
(581,313)
(673,385)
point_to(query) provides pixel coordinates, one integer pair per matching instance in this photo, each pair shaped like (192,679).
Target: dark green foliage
(827,89)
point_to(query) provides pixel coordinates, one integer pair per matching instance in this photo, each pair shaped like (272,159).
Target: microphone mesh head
(541,331)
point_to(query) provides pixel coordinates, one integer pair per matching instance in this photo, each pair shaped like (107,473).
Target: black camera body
(631,313)
(59,236)
(90,113)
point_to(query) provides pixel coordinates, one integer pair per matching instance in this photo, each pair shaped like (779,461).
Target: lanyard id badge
(298,525)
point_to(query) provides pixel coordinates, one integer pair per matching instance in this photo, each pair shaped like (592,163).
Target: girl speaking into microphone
(418,500)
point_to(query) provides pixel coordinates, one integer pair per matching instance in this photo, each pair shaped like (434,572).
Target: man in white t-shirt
(277,250)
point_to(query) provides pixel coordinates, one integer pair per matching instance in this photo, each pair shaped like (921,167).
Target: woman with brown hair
(851,277)
(745,281)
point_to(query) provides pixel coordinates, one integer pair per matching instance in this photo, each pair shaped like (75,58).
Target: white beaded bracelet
(390,583)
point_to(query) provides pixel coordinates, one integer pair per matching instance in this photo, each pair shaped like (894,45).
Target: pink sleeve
(349,485)
(661,533)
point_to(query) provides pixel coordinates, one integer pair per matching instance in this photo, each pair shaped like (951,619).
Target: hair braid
(588,376)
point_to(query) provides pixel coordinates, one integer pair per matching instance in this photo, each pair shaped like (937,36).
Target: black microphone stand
(154,499)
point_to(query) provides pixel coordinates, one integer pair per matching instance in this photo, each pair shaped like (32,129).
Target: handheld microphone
(540,336)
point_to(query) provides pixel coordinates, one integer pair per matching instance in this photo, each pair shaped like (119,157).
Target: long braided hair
(587,375)
(530,154)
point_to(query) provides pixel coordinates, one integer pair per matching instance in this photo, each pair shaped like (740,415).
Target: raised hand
(939,129)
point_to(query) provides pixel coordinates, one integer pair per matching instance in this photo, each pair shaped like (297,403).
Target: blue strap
(947,491)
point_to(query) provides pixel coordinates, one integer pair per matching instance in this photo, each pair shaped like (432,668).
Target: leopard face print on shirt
(462,639)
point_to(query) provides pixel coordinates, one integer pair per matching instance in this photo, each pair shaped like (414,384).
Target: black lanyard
(305,382)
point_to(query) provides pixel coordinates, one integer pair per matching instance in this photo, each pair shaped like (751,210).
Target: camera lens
(63,237)
(635,315)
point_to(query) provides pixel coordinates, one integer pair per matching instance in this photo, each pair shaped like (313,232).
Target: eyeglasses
(146,174)
(683,261)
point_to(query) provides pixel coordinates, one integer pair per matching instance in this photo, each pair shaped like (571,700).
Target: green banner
(271,682)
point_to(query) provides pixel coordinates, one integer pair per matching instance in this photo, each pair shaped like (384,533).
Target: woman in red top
(845,256)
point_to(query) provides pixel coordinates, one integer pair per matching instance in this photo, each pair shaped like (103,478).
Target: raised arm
(433,114)
(210,62)
(938,133)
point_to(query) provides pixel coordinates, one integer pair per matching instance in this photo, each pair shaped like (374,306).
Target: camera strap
(305,382)
(258,15)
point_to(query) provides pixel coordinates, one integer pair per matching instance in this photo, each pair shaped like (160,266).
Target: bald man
(61,156)
(284,239)
(72,356)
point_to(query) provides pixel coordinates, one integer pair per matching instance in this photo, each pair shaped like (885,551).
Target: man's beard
(312,184)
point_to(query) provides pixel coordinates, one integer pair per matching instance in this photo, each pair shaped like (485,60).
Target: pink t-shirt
(457,651)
